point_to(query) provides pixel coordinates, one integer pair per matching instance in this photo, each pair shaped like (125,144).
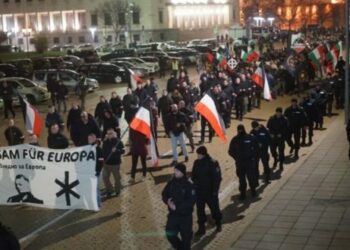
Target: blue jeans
(174,141)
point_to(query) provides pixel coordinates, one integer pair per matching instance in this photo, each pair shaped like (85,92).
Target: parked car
(26,88)
(200,48)
(142,72)
(89,56)
(24,67)
(119,53)
(85,46)
(74,60)
(8,69)
(151,67)
(40,63)
(104,72)
(69,77)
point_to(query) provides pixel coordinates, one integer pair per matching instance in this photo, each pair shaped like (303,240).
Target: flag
(339,49)
(32,118)
(134,79)
(206,107)
(299,47)
(258,77)
(210,57)
(316,56)
(142,123)
(267,92)
(251,56)
(332,56)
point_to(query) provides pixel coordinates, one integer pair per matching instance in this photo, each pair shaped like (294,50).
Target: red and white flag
(33,120)
(142,124)
(258,77)
(134,79)
(206,107)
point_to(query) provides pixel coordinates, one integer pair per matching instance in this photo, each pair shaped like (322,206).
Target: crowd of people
(233,92)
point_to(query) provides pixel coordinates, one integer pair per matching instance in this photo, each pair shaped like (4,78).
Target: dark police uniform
(297,119)
(206,176)
(244,149)
(312,115)
(182,193)
(278,127)
(263,137)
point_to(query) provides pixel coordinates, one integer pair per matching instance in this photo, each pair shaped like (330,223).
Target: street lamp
(129,12)
(93,31)
(27,33)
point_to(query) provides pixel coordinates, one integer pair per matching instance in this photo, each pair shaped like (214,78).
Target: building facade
(87,21)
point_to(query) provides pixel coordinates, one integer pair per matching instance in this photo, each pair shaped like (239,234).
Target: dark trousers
(134,161)
(307,131)
(247,170)
(277,144)
(265,157)
(239,109)
(227,118)
(8,107)
(295,134)
(182,225)
(204,123)
(329,107)
(213,203)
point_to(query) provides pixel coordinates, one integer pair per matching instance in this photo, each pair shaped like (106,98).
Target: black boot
(310,141)
(296,155)
(281,166)
(242,196)
(218,226)
(201,231)
(253,191)
(275,161)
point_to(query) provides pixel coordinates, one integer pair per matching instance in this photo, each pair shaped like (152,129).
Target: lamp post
(129,12)
(27,33)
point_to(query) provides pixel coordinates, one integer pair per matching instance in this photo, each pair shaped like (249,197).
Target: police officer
(244,150)
(263,137)
(278,127)
(312,114)
(296,118)
(206,177)
(179,196)
(239,95)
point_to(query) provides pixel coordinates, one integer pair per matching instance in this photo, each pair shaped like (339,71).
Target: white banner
(63,179)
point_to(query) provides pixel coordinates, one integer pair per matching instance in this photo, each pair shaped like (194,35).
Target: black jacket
(278,127)
(6,93)
(296,117)
(113,158)
(62,92)
(262,136)
(243,147)
(86,129)
(182,193)
(116,105)
(57,141)
(175,123)
(206,176)
(101,107)
(14,136)
(164,104)
(348,130)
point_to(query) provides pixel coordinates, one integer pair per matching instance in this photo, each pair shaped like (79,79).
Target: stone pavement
(310,206)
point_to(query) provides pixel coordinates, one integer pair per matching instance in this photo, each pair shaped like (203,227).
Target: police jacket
(182,193)
(176,123)
(278,127)
(57,141)
(262,135)
(243,148)
(296,117)
(113,158)
(311,110)
(206,176)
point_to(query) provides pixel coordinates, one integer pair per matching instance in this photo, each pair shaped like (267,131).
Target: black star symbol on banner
(67,188)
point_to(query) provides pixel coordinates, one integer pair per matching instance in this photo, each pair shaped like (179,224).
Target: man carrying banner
(13,134)
(113,148)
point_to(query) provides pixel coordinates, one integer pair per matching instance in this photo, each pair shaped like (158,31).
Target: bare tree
(113,12)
